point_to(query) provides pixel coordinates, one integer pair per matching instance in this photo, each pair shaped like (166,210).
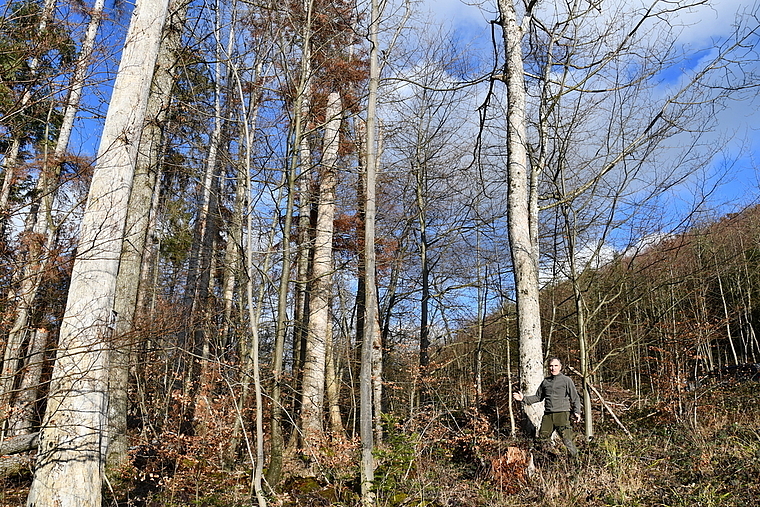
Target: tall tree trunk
(377,380)
(232,267)
(274,472)
(367,467)
(580,313)
(137,229)
(244,188)
(37,259)
(10,159)
(332,387)
(521,210)
(254,312)
(196,300)
(313,387)
(304,255)
(301,144)
(73,438)
(323,263)
(421,181)
(482,301)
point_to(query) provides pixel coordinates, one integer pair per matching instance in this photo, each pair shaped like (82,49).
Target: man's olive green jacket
(558,394)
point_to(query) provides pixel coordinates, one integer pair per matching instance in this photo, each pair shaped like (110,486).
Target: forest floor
(702,449)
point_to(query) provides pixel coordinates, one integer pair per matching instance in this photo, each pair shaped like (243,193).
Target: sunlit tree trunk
(314,375)
(137,230)
(298,198)
(332,387)
(23,417)
(303,168)
(522,212)
(377,380)
(251,359)
(367,468)
(73,439)
(196,335)
(232,265)
(10,159)
(323,263)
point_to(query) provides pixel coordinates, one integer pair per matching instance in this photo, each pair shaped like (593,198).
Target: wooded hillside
(302,253)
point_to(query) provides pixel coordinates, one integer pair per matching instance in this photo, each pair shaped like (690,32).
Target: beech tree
(230,216)
(138,228)
(522,207)
(581,129)
(367,467)
(320,322)
(74,431)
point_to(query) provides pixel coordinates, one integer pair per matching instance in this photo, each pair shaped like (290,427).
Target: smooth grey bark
(332,386)
(23,416)
(129,279)
(297,188)
(303,264)
(73,438)
(367,467)
(314,375)
(21,443)
(323,262)
(37,260)
(232,265)
(10,159)
(522,210)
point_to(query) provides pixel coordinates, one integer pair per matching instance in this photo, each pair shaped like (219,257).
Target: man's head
(555,366)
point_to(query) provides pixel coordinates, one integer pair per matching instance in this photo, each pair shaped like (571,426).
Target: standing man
(560,399)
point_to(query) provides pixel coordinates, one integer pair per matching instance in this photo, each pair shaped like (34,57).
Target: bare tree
(314,377)
(74,430)
(522,205)
(137,231)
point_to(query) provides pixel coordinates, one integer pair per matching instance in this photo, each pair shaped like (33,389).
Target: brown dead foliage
(510,470)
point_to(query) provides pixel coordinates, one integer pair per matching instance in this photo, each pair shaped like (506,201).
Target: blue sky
(699,27)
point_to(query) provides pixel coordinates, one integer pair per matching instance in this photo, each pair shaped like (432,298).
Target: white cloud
(698,24)
(714,20)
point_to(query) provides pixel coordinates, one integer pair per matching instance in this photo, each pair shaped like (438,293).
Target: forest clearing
(324,252)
